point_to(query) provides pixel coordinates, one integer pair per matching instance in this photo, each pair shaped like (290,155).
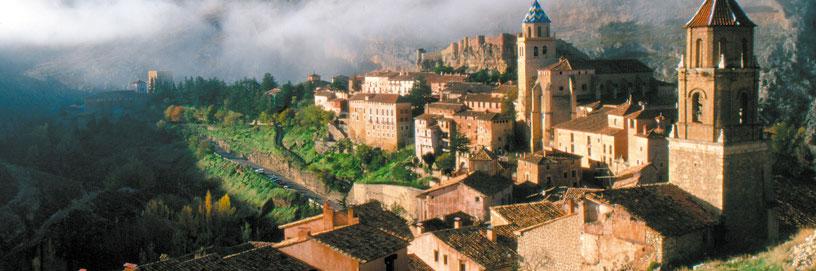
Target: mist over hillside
(105,44)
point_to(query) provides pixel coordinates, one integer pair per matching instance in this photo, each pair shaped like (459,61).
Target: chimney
(303,234)
(420,228)
(328,216)
(491,235)
(457,223)
(570,206)
(352,219)
(130,267)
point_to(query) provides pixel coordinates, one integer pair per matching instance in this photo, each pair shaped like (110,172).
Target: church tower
(717,152)
(536,49)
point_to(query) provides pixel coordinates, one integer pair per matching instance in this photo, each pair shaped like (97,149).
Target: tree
(174,113)
(313,116)
(370,158)
(268,82)
(420,95)
(459,143)
(429,158)
(446,163)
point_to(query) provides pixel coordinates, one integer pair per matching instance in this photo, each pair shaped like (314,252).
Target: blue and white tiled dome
(536,15)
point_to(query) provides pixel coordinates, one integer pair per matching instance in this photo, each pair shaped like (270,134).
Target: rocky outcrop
(803,255)
(475,53)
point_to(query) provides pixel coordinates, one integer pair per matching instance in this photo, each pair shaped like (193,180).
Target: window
(535,51)
(544,50)
(529,31)
(743,110)
(698,54)
(745,52)
(389,262)
(445,259)
(573,173)
(723,47)
(462,263)
(538,31)
(696,108)
(565,174)
(477,199)
(436,255)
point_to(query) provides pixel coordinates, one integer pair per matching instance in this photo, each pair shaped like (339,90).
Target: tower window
(696,108)
(544,50)
(529,31)
(743,110)
(538,31)
(745,52)
(698,53)
(535,51)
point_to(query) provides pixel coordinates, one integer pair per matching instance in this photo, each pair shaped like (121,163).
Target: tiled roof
(361,242)
(611,66)
(470,242)
(574,193)
(482,154)
(624,109)
(483,183)
(536,14)
(548,155)
(373,214)
(382,74)
(720,13)
(324,93)
(379,98)
(528,214)
(665,208)
(456,107)
(468,87)
(264,259)
(482,97)
(447,221)
(416,264)
(596,122)
(253,256)
(477,115)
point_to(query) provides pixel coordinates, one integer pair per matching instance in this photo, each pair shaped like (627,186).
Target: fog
(106,43)
(95,44)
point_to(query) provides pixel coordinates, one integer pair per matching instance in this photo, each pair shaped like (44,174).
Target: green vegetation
(290,127)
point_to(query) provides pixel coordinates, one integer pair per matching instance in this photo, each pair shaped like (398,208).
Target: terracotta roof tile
(416,264)
(528,214)
(361,242)
(553,155)
(378,98)
(447,221)
(720,13)
(596,122)
(482,154)
(373,214)
(264,259)
(665,208)
(470,242)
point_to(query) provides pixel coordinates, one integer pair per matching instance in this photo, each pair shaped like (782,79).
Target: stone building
(717,151)
(550,168)
(442,120)
(380,120)
(332,101)
(471,193)
(536,49)
(138,86)
(401,83)
(363,237)
(155,77)
(613,138)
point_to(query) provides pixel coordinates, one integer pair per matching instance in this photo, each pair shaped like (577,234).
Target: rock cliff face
(484,53)
(475,53)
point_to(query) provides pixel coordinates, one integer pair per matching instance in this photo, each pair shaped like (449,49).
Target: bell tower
(536,49)
(717,151)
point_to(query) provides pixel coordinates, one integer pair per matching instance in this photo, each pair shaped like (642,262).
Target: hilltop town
(514,151)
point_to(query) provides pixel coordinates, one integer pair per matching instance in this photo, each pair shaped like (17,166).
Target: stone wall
(388,195)
(555,246)
(282,167)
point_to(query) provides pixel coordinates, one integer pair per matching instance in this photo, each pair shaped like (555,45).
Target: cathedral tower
(717,152)
(536,49)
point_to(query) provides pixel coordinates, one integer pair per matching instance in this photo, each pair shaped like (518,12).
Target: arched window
(723,46)
(544,50)
(535,51)
(538,31)
(697,108)
(698,53)
(529,31)
(746,55)
(743,109)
